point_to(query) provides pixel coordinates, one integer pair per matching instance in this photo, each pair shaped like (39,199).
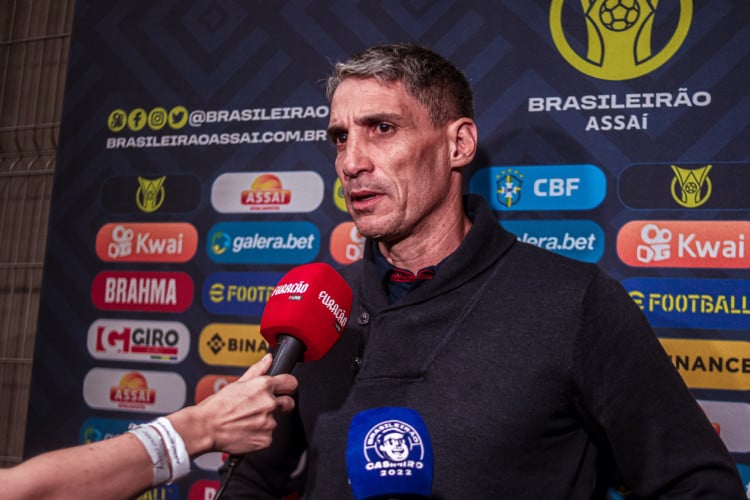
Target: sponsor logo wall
(194,170)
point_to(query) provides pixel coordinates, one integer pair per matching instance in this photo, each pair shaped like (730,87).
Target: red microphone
(305,315)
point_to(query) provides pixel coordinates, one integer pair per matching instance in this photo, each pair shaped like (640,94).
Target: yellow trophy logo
(150,194)
(691,188)
(619,36)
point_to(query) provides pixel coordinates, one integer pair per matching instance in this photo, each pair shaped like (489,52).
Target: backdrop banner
(194,170)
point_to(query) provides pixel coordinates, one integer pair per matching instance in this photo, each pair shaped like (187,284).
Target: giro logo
(267,192)
(620,35)
(697,244)
(146,242)
(228,344)
(138,340)
(139,391)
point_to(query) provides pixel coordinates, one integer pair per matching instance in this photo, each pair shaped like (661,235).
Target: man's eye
(384,127)
(339,138)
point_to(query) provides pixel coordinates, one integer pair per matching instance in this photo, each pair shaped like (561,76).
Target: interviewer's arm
(238,419)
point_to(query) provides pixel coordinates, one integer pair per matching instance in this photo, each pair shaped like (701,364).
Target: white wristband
(178,455)
(152,441)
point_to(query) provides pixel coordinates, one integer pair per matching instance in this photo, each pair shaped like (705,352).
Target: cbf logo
(619,44)
(393,444)
(509,187)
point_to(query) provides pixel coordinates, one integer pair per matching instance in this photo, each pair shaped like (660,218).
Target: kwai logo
(146,242)
(267,192)
(696,244)
(620,42)
(541,187)
(138,340)
(263,242)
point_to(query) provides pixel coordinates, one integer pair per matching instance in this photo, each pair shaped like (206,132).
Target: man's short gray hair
(428,77)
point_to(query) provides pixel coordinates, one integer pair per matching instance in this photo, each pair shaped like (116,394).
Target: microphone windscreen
(389,454)
(312,303)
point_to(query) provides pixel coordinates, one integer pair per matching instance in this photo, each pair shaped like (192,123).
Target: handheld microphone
(389,455)
(305,315)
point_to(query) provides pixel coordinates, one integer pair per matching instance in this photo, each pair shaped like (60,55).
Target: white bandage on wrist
(178,455)
(152,441)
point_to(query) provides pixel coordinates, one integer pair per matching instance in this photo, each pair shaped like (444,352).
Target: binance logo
(619,45)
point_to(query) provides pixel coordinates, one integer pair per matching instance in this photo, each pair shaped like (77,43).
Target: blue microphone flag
(389,453)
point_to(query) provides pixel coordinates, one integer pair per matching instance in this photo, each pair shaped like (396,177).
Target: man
(537,375)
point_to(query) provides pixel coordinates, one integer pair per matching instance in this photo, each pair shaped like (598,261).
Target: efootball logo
(620,35)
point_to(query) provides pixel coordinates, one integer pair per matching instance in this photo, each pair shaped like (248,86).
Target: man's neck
(417,252)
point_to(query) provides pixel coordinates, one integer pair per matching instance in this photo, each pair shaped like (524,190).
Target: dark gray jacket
(537,376)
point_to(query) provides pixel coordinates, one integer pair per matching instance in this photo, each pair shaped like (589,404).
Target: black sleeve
(267,474)
(663,444)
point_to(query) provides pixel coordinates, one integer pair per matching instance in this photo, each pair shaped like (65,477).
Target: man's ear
(462,139)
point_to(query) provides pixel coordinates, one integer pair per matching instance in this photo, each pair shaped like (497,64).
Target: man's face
(394,447)
(393,163)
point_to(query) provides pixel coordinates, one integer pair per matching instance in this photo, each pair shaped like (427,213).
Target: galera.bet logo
(620,35)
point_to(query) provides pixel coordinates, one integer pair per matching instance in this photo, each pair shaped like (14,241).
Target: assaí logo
(288,192)
(138,340)
(130,390)
(695,244)
(620,41)
(263,242)
(147,242)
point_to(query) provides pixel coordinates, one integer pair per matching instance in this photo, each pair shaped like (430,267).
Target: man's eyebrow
(335,130)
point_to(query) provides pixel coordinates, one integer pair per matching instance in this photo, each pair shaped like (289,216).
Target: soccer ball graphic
(619,15)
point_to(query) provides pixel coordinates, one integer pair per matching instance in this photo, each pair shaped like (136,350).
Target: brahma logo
(142,291)
(697,244)
(267,191)
(137,340)
(619,35)
(146,242)
(347,244)
(231,344)
(139,391)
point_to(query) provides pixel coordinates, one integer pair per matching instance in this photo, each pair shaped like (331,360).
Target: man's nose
(354,158)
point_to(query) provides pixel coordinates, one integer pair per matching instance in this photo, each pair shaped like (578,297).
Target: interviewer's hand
(240,417)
